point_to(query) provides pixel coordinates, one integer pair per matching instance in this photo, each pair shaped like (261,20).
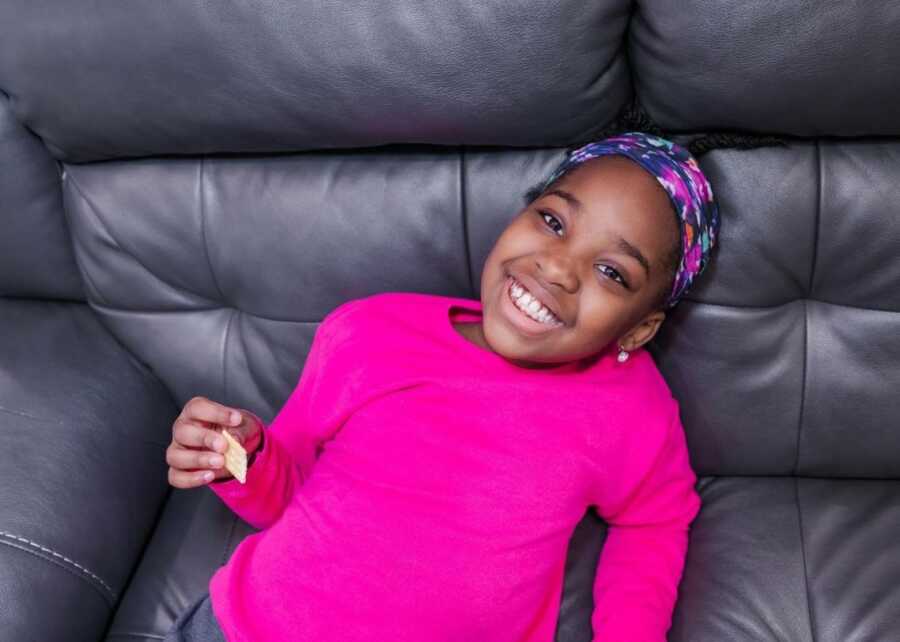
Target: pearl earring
(623,355)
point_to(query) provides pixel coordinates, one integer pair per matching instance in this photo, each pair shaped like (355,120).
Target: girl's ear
(644,331)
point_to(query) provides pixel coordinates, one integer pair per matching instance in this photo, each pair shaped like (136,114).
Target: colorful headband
(689,191)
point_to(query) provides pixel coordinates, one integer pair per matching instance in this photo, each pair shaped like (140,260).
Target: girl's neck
(474,331)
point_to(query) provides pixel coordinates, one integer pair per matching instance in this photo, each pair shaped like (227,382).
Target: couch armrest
(83,432)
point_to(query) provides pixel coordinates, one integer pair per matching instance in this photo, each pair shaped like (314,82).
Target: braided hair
(634,118)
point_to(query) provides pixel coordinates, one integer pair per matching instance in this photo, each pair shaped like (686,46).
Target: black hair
(634,118)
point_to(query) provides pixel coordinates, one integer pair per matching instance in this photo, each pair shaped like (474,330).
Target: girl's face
(593,249)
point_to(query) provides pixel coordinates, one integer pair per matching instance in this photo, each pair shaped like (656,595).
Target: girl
(424,478)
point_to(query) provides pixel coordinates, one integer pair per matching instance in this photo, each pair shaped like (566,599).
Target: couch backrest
(225,184)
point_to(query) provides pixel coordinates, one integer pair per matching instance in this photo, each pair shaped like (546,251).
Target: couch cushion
(791,558)
(36,257)
(785,356)
(804,69)
(289,76)
(83,431)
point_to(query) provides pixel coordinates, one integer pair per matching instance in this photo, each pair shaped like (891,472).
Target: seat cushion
(83,432)
(792,558)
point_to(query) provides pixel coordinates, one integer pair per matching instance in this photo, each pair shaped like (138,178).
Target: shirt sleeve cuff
(257,474)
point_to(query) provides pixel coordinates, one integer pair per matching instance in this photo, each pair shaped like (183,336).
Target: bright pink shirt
(416,486)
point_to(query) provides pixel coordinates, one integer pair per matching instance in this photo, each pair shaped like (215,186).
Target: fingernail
(207,475)
(235,418)
(215,460)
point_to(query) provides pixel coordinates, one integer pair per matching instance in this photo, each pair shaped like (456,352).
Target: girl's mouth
(524,312)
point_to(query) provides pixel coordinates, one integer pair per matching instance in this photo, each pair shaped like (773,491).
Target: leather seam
(212,272)
(817,221)
(738,306)
(225,551)
(66,178)
(216,308)
(225,352)
(803,378)
(69,564)
(464,216)
(809,614)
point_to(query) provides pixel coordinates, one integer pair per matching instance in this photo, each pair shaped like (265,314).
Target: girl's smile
(528,309)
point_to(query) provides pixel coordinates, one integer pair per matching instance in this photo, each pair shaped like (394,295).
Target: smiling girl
(425,476)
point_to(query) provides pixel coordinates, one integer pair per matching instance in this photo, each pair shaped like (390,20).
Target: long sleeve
(642,560)
(312,414)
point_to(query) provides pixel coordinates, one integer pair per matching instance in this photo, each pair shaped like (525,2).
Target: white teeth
(531,306)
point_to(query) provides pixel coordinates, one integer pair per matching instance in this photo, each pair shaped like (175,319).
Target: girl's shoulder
(339,312)
(647,381)
(362,314)
(381,304)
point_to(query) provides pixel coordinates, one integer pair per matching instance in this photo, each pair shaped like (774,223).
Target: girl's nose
(558,270)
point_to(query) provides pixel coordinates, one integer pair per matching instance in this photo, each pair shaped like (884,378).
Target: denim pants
(196,624)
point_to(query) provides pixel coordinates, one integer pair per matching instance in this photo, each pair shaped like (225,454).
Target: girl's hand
(195,456)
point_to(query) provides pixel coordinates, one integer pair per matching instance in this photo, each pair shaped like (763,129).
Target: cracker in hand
(235,458)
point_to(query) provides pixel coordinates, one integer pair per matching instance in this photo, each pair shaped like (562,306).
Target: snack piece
(235,458)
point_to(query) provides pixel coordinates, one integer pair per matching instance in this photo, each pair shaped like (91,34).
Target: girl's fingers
(190,478)
(191,435)
(185,459)
(207,410)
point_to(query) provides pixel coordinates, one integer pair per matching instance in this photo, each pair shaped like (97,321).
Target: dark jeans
(196,624)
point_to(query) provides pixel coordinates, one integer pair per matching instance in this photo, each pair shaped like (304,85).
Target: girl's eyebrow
(569,198)
(631,250)
(622,244)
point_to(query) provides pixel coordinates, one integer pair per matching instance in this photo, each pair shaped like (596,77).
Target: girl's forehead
(612,172)
(598,190)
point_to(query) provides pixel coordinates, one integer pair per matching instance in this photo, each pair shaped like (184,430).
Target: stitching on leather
(73,563)
(28,415)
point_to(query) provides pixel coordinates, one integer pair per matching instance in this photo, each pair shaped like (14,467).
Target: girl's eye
(614,274)
(545,214)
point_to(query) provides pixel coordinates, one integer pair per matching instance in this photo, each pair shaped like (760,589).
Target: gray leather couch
(187,189)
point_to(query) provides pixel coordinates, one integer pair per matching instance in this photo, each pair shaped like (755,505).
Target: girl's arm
(312,414)
(642,560)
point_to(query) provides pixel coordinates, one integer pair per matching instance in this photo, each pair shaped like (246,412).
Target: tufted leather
(187,190)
